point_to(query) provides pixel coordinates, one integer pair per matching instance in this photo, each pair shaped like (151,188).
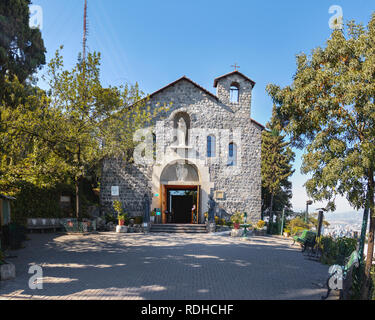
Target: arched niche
(180,172)
(185,116)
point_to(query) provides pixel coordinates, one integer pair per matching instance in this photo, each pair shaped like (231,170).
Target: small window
(234,93)
(232,157)
(211,147)
(154,145)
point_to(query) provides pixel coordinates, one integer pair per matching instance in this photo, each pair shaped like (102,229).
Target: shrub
(335,251)
(229,223)
(238,217)
(260,224)
(110,218)
(117,205)
(297,225)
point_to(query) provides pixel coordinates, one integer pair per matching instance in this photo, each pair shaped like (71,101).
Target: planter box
(260,233)
(236,233)
(121,229)
(7,271)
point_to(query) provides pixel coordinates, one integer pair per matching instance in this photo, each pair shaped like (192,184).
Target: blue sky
(155,42)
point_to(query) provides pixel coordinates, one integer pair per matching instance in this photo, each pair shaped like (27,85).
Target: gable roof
(232,73)
(189,80)
(205,90)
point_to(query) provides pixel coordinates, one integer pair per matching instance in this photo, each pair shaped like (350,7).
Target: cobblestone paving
(161,266)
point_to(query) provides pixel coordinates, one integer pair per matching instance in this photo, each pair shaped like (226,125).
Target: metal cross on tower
(235,66)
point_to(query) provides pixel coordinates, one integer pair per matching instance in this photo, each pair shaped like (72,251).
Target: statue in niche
(211,209)
(181,132)
(181,172)
(146,208)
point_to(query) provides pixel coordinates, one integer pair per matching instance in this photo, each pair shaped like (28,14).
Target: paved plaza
(165,267)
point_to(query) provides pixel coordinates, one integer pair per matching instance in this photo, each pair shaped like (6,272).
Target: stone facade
(204,114)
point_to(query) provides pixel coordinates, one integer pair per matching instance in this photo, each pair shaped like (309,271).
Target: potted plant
(286,233)
(121,219)
(121,215)
(216,220)
(152,216)
(237,219)
(206,217)
(260,228)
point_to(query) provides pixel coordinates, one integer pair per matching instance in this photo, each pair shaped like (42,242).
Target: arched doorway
(180,193)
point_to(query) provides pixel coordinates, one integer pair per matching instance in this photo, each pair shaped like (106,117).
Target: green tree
(330,111)
(78,123)
(22,49)
(22,53)
(277,158)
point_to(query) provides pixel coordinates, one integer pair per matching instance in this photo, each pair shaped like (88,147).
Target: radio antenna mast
(84,32)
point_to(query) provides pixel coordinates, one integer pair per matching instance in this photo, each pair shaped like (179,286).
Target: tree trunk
(77,196)
(370,248)
(270,223)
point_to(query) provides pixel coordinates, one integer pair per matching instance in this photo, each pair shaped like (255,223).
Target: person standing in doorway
(194,214)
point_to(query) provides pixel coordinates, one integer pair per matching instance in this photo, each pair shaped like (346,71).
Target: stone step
(178,228)
(178,231)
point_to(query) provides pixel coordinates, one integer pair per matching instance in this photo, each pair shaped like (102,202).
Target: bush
(260,224)
(238,217)
(297,225)
(117,206)
(335,251)
(110,218)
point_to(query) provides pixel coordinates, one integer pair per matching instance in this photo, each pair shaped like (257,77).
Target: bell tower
(235,90)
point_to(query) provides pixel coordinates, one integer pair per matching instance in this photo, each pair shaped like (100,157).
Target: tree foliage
(330,111)
(22,49)
(277,159)
(66,132)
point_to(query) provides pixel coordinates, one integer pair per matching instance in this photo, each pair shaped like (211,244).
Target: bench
(341,277)
(306,239)
(43,224)
(73,226)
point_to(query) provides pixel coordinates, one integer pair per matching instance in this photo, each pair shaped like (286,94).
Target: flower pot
(236,226)
(121,229)
(152,219)
(121,222)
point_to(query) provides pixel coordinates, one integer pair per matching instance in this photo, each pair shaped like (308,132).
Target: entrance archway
(180,193)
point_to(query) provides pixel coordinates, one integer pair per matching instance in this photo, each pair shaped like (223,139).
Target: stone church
(207,146)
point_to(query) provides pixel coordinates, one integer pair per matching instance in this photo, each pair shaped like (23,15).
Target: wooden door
(164,199)
(198,198)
